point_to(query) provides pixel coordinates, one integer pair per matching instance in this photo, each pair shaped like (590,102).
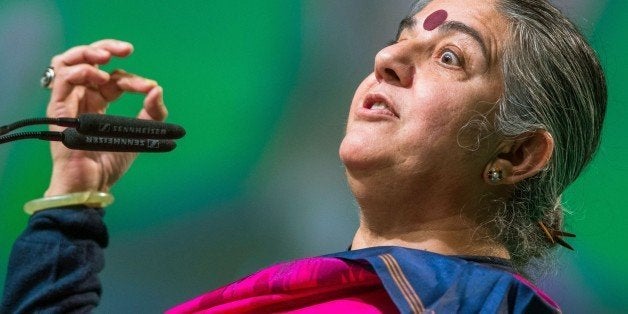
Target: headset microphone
(71,138)
(98,132)
(98,124)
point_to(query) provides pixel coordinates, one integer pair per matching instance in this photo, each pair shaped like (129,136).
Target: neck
(435,222)
(448,236)
(444,215)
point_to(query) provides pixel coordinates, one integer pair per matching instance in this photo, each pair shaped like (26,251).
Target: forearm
(55,262)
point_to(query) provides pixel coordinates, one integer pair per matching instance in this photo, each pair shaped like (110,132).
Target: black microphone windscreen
(107,125)
(75,140)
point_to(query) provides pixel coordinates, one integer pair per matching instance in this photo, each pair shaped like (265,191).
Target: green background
(262,88)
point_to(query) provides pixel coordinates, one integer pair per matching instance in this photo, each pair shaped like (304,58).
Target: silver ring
(47,77)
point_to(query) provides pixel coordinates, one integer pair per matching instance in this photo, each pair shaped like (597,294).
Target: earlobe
(520,159)
(497,172)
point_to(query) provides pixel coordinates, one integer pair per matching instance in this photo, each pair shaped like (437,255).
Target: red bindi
(435,19)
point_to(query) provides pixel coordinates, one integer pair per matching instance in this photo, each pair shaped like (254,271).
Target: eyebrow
(448,26)
(456,26)
(406,23)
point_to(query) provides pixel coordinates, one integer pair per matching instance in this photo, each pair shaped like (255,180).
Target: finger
(122,81)
(117,48)
(110,91)
(154,107)
(81,74)
(99,52)
(134,83)
(81,54)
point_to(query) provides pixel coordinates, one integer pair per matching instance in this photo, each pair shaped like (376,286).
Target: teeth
(379,106)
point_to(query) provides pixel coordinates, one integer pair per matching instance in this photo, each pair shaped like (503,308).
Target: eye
(448,57)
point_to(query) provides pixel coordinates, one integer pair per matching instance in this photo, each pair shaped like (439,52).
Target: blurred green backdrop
(262,88)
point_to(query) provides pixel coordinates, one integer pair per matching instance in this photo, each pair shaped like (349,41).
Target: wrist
(66,184)
(71,176)
(65,189)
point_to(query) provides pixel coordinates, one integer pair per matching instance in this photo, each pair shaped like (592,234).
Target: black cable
(68,122)
(42,135)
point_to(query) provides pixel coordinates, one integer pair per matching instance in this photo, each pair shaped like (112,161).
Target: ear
(521,158)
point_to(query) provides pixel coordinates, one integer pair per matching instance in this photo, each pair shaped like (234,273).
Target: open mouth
(379,105)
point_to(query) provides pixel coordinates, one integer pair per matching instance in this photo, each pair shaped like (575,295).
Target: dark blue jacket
(54,264)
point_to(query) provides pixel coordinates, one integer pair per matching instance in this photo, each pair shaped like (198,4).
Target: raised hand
(80,87)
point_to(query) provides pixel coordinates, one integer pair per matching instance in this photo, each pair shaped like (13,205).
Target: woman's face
(411,115)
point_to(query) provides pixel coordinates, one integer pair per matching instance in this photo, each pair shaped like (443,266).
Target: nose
(394,65)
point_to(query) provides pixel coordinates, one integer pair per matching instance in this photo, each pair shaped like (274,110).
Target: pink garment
(311,285)
(538,291)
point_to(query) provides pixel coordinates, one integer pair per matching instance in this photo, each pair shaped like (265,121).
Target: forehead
(478,19)
(461,8)
(479,14)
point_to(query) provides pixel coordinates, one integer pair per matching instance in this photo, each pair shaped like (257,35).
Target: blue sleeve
(54,264)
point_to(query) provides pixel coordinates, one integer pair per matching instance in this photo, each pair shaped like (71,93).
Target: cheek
(437,122)
(456,121)
(432,112)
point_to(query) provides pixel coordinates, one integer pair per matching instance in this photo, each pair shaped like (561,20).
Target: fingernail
(124,45)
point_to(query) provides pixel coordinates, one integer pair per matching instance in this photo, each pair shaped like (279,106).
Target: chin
(359,153)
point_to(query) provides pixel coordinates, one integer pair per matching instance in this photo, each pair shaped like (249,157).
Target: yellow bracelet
(89,198)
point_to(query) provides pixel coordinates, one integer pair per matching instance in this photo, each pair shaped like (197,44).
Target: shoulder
(419,280)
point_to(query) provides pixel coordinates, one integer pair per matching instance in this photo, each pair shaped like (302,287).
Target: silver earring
(495,175)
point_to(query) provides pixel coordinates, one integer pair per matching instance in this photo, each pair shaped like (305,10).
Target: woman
(458,147)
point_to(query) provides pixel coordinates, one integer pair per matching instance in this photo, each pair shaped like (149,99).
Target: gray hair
(553,81)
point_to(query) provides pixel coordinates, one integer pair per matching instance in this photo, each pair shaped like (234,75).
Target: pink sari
(311,285)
